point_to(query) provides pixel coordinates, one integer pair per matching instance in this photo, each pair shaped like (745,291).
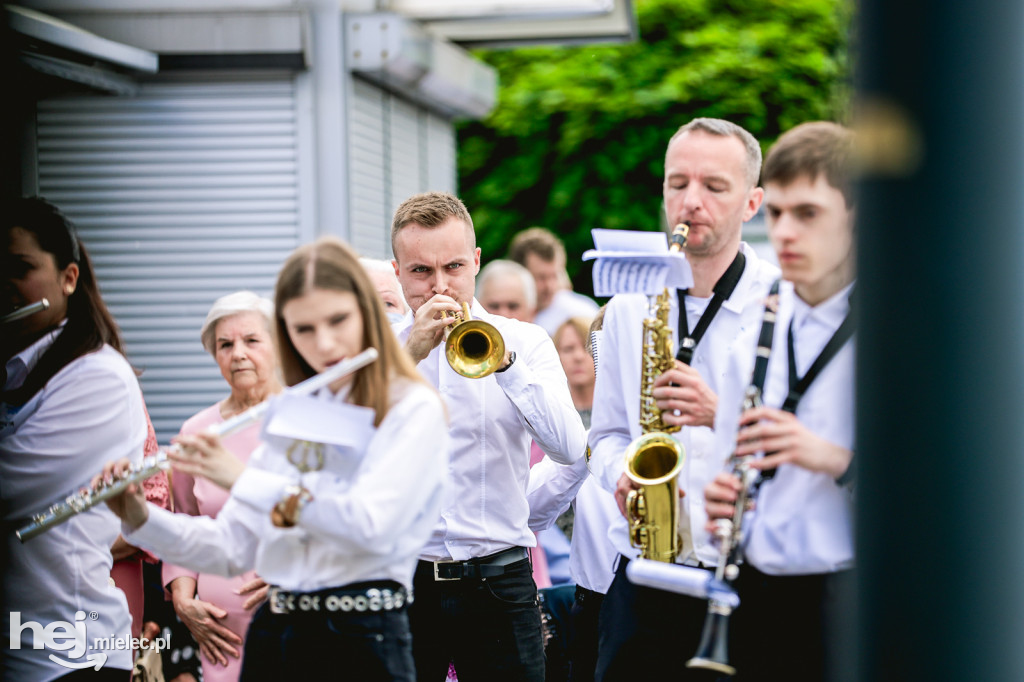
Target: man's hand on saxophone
(130,506)
(624,487)
(684,398)
(780,433)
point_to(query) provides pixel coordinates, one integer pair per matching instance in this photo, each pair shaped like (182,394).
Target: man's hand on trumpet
(130,506)
(429,324)
(203,455)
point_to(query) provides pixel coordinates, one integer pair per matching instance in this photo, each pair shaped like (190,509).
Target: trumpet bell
(474,348)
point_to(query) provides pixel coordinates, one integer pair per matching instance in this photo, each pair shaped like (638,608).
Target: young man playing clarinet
(792,623)
(711,173)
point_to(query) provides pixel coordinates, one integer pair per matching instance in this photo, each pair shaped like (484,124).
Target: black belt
(490,566)
(379,596)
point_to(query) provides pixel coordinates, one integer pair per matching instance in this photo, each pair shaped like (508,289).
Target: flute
(25,311)
(153,464)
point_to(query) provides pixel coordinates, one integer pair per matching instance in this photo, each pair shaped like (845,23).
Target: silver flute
(25,311)
(150,466)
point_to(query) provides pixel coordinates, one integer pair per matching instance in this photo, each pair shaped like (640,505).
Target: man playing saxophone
(711,173)
(793,622)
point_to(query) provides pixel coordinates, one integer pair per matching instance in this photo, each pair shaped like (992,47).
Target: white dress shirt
(803,521)
(374,502)
(616,416)
(565,304)
(88,413)
(493,420)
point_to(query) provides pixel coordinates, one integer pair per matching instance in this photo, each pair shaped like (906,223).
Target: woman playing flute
(334,506)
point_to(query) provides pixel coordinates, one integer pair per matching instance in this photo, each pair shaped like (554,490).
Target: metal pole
(941,341)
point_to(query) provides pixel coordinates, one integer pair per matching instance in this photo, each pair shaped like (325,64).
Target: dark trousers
(325,645)
(794,628)
(489,627)
(583,645)
(101,675)
(654,631)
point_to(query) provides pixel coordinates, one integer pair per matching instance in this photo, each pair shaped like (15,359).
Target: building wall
(202,185)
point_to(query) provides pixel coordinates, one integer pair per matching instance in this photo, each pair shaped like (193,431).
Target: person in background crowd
(237,332)
(70,401)
(543,254)
(711,173)
(796,617)
(476,602)
(335,505)
(382,274)
(506,288)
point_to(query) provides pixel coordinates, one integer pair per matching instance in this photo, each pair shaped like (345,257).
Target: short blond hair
(430,209)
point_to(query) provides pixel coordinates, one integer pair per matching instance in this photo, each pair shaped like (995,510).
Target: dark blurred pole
(940,374)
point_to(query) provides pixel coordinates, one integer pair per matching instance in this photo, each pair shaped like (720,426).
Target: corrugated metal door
(182,194)
(396,149)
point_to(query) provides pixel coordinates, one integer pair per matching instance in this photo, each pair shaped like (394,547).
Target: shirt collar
(831,312)
(739,299)
(19,366)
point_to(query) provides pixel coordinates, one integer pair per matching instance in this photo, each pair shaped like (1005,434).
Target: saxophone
(654,460)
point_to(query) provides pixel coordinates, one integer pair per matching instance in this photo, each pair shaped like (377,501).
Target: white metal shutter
(187,192)
(396,149)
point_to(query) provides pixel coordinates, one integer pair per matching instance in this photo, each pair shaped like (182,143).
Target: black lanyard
(722,291)
(797,385)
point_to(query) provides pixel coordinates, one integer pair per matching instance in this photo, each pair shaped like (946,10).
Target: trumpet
(25,311)
(474,348)
(153,464)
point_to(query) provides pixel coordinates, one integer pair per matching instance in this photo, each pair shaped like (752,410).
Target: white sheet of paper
(321,421)
(630,262)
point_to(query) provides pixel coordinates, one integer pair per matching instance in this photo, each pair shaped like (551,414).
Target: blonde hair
(329,264)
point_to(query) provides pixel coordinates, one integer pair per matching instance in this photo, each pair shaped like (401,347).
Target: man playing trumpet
(794,618)
(476,602)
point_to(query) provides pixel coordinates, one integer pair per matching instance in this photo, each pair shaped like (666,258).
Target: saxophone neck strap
(722,291)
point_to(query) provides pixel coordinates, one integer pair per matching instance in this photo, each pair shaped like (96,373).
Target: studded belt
(371,597)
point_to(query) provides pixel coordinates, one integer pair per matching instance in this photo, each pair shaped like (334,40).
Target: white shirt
(565,304)
(493,420)
(88,413)
(616,416)
(804,520)
(373,505)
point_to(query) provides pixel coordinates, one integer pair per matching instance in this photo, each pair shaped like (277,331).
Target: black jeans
(583,646)
(489,627)
(329,645)
(800,628)
(661,629)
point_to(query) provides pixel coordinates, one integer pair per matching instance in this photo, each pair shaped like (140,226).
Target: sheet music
(636,263)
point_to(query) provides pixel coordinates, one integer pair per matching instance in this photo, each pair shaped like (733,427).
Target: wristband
(285,513)
(511,359)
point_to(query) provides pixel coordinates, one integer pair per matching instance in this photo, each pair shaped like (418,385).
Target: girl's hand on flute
(130,506)
(202,454)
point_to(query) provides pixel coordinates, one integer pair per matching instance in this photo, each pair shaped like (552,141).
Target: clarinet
(713,651)
(153,464)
